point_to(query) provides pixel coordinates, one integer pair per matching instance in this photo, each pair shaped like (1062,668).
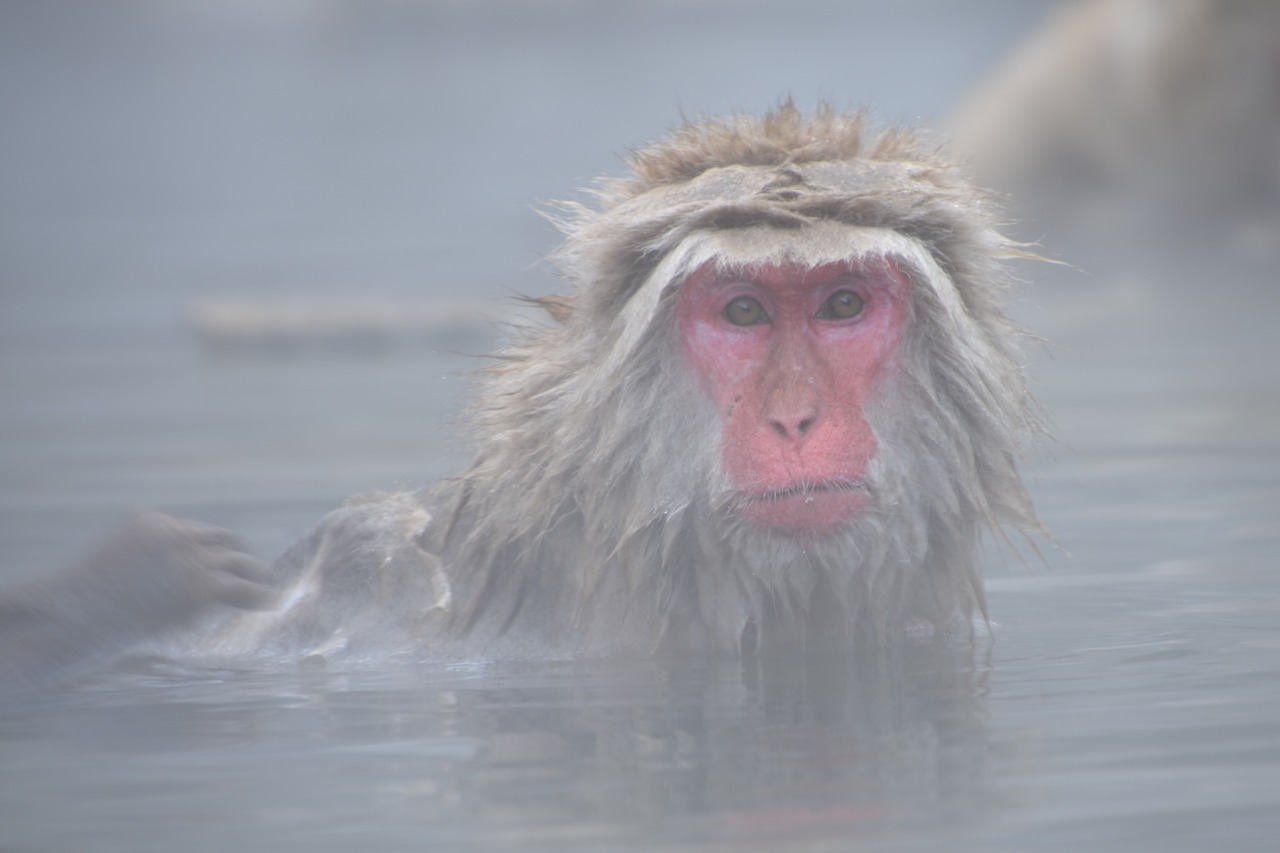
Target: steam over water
(351,178)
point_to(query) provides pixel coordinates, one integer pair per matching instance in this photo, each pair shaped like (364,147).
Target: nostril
(797,429)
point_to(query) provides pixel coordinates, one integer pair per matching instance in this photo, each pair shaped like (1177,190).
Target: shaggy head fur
(595,518)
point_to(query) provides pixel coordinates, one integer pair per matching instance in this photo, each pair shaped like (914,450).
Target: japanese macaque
(778,409)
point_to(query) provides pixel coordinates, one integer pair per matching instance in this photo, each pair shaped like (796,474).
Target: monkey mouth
(807,508)
(809,489)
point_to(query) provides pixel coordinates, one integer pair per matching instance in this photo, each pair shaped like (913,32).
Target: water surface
(1126,699)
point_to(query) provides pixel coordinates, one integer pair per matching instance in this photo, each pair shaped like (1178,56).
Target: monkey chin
(806,512)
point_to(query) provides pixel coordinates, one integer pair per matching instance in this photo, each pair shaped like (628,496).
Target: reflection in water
(713,750)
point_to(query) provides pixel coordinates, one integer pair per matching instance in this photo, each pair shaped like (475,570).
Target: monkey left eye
(745,311)
(843,305)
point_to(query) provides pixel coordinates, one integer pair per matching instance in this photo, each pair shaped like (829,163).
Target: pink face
(790,356)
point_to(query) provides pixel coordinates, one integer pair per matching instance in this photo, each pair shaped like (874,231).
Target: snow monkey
(780,405)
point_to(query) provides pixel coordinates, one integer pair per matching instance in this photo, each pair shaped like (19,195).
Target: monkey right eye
(745,311)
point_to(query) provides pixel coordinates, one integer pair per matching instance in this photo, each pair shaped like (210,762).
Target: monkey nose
(794,426)
(791,408)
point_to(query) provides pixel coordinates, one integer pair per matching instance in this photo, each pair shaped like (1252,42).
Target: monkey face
(790,355)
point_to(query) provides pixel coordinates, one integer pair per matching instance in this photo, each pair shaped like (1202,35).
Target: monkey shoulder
(363,580)
(371,527)
(376,546)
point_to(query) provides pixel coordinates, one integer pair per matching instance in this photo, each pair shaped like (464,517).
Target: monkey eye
(745,311)
(843,305)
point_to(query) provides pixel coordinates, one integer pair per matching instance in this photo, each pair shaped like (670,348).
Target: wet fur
(595,519)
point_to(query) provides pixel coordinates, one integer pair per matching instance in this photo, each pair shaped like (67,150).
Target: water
(1125,701)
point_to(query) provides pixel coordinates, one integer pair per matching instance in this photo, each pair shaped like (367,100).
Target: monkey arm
(156,574)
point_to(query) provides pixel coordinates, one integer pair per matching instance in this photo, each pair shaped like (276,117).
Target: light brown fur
(595,519)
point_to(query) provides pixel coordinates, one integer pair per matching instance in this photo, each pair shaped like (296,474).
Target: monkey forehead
(816,244)
(813,245)
(819,210)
